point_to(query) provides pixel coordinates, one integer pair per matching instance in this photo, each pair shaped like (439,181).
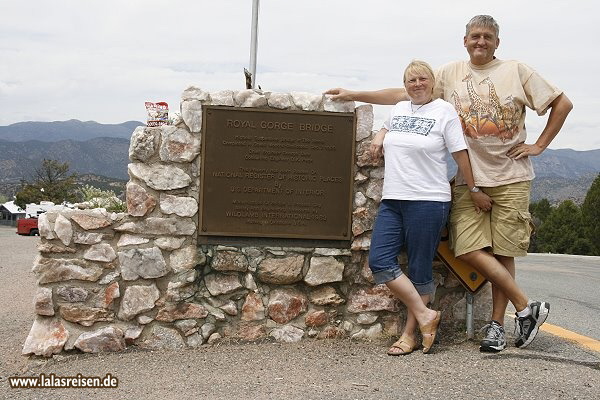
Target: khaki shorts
(505,229)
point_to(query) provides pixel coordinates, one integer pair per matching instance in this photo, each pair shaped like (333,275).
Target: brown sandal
(429,331)
(405,344)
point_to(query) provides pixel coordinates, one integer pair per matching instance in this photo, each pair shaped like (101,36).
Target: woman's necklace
(418,108)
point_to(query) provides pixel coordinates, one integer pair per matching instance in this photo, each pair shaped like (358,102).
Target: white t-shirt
(415,150)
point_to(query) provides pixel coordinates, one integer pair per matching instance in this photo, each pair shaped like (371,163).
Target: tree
(51,182)
(539,212)
(562,232)
(590,211)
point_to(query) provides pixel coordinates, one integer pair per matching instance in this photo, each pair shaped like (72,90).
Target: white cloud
(101,60)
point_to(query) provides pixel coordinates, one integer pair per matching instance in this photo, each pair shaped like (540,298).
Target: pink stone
(89,222)
(181,311)
(253,308)
(377,298)
(316,318)
(286,304)
(251,332)
(331,332)
(46,337)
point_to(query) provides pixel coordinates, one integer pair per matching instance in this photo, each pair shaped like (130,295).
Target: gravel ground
(549,368)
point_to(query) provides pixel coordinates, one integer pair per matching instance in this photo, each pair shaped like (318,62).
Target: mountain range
(102,149)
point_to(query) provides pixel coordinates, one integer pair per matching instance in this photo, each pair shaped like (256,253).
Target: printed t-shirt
(415,149)
(490,100)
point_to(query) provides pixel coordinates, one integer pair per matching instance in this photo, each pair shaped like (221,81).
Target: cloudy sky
(101,60)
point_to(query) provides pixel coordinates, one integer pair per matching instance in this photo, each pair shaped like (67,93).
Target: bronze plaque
(276,174)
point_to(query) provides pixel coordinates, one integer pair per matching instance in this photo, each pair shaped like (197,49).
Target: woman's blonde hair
(417,67)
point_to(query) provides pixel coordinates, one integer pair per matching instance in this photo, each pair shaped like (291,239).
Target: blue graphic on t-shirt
(406,124)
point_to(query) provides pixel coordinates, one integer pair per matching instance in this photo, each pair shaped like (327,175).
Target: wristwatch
(474,189)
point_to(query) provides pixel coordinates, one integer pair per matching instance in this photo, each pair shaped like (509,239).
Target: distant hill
(65,130)
(102,149)
(107,156)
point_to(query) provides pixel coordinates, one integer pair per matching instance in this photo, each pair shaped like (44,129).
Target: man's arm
(560,108)
(383,96)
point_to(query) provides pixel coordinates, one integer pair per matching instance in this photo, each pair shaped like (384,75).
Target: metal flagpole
(254,40)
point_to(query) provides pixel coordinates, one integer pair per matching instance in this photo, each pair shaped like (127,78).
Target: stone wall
(107,280)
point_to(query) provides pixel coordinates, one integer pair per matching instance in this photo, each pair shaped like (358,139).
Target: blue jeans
(416,224)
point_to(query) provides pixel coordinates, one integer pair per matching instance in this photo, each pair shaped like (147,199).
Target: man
(490,96)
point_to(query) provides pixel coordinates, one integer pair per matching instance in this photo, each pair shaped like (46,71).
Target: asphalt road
(550,368)
(572,286)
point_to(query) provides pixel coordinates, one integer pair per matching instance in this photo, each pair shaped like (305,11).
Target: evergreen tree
(52,182)
(563,232)
(591,216)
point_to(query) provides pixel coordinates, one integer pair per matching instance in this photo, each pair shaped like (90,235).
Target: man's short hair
(486,21)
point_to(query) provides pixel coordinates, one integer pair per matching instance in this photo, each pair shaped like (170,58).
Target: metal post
(254,40)
(470,316)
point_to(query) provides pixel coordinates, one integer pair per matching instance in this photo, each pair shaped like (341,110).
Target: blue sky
(101,60)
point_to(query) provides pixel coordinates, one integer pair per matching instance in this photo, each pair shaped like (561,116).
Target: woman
(416,199)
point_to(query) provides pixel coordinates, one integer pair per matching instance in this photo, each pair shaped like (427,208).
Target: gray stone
(138,299)
(63,229)
(132,333)
(169,243)
(374,189)
(207,330)
(181,206)
(100,252)
(249,282)
(366,318)
(139,201)
(103,340)
(108,278)
(45,227)
(325,251)
(46,337)
(230,261)
(218,284)
(373,332)
(287,334)
(230,308)
(281,271)
(281,101)
(364,121)
(50,270)
(359,199)
(362,242)
(360,178)
(131,240)
(160,177)
(195,340)
(160,226)
(143,144)
(191,112)
(88,237)
(249,98)
(161,338)
(307,101)
(144,319)
(195,93)
(72,294)
(187,326)
(324,270)
(178,145)
(145,263)
(222,98)
(183,259)
(43,303)
(330,105)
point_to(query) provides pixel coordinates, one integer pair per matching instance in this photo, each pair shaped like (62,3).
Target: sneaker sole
(491,349)
(543,314)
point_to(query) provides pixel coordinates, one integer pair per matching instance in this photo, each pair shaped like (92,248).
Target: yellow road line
(584,341)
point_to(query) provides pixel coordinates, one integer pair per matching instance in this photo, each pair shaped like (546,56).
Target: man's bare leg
(490,267)
(499,299)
